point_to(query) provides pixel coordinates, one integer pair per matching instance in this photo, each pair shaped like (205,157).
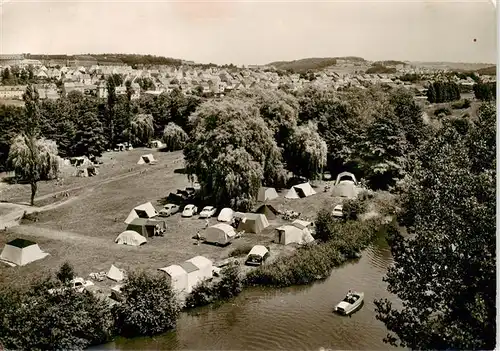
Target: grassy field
(83,231)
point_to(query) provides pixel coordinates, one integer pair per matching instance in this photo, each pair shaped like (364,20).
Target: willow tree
(141,129)
(31,157)
(306,152)
(232,152)
(174,137)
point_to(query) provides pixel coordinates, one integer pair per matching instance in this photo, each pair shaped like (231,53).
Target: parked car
(168,210)
(337,211)
(207,212)
(257,256)
(189,211)
(79,284)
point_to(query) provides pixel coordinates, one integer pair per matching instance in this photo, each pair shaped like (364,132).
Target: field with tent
(84,230)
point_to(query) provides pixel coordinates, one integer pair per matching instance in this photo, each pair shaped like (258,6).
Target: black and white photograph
(248,175)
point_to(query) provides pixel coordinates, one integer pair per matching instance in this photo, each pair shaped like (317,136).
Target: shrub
(352,208)
(65,273)
(64,320)
(324,223)
(241,250)
(150,306)
(313,262)
(442,111)
(230,285)
(174,137)
(459,105)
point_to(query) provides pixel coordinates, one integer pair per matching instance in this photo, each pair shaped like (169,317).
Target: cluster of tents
(142,222)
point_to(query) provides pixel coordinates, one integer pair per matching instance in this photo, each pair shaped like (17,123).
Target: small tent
(204,265)
(130,237)
(193,275)
(289,234)
(266,194)
(115,274)
(82,173)
(226,215)
(300,191)
(345,176)
(21,252)
(178,277)
(253,223)
(146,159)
(145,210)
(301,224)
(80,161)
(156,144)
(146,227)
(267,210)
(220,233)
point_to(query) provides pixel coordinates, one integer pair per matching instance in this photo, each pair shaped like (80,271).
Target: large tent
(226,215)
(267,210)
(115,274)
(146,159)
(289,234)
(130,237)
(301,224)
(145,210)
(146,227)
(345,189)
(193,275)
(266,194)
(204,265)
(21,252)
(253,223)
(178,277)
(300,191)
(345,176)
(219,233)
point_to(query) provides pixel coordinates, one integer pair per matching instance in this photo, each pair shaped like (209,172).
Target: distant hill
(128,59)
(389,63)
(451,65)
(313,63)
(491,71)
(378,68)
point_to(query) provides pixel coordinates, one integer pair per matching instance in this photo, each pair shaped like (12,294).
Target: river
(296,318)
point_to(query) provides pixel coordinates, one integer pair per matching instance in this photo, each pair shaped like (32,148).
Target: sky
(254,32)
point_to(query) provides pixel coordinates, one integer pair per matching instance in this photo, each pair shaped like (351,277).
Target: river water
(296,318)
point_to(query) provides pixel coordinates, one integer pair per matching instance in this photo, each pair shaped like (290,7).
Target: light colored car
(207,212)
(79,284)
(337,211)
(168,210)
(257,256)
(189,211)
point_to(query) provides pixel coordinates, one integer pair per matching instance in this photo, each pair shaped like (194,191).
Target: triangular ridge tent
(130,237)
(20,252)
(220,233)
(289,234)
(253,223)
(146,159)
(266,194)
(300,191)
(226,215)
(267,210)
(115,274)
(145,210)
(178,277)
(345,176)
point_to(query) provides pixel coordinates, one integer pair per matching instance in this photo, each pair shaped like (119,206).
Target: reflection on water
(296,318)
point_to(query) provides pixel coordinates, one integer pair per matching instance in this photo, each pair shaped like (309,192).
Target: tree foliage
(174,137)
(150,306)
(485,91)
(141,129)
(443,92)
(445,273)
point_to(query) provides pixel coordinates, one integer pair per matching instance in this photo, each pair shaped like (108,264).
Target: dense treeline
(17,76)
(438,92)
(485,91)
(378,68)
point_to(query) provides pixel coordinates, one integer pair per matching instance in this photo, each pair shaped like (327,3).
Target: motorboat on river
(351,303)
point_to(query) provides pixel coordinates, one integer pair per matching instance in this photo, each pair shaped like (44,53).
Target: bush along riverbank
(339,242)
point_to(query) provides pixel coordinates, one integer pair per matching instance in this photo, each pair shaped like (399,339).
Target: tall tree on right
(445,271)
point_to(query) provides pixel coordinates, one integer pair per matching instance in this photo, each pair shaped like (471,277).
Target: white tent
(341,177)
(299,191)
(146,159)
(258,250)
(142,211)
(226,215)
(220,233)
(130,237)
(289,234)
(266,194)
(193,275)
(204,265)
(345,189)
(21,252)
(178,277)
(156,144)
(115,274)
(301,224)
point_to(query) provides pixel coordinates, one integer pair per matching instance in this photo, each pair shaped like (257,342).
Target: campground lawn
(82,232)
